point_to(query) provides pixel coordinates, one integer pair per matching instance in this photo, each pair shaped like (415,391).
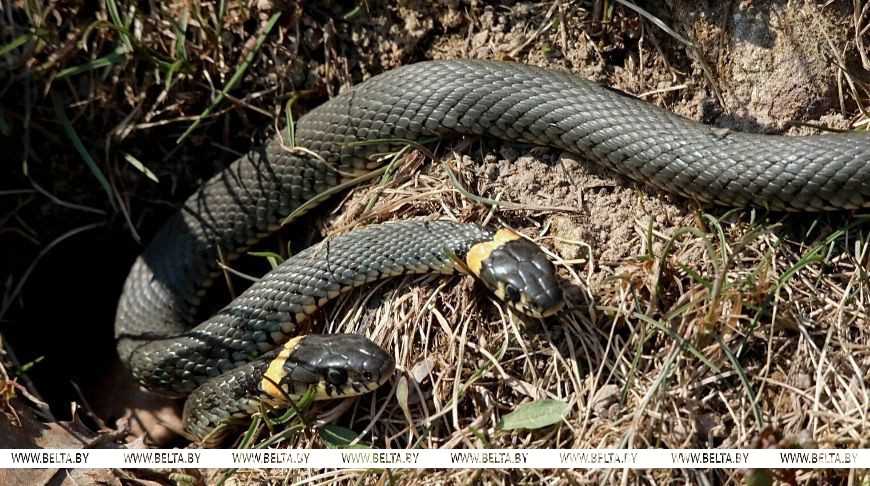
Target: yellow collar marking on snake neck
(275,372)
(481,251)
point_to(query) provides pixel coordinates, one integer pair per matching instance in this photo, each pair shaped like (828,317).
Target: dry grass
(731,333)
(715,329)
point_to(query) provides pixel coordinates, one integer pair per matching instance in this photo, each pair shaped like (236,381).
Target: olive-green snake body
(514,102)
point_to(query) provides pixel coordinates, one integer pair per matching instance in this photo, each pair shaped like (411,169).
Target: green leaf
(337,437)
(535,415)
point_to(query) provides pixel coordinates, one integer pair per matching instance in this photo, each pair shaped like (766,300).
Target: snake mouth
(334,365)
(518,272)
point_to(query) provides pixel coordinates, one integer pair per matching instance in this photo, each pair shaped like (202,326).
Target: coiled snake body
(441,98)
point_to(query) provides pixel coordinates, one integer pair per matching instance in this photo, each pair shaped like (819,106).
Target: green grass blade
(237,76)
(744,379)
(80,148)
(114,57)
(116,20)
(15,43)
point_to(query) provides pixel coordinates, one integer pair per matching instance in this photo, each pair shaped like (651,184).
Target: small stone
(606,396)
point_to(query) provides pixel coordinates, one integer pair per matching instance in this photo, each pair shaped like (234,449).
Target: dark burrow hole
(61,328)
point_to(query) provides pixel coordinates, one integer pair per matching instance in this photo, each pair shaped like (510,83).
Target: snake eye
(336,376)
(513,293)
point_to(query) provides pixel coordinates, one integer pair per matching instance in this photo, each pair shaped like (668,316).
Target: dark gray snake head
(518,272)
(335,365)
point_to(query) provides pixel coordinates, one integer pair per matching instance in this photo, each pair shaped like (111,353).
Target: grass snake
(235,349)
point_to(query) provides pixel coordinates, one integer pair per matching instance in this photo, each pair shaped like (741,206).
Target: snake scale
(513,102)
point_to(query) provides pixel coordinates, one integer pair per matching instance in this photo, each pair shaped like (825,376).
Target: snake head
(518,272)
(336,365)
